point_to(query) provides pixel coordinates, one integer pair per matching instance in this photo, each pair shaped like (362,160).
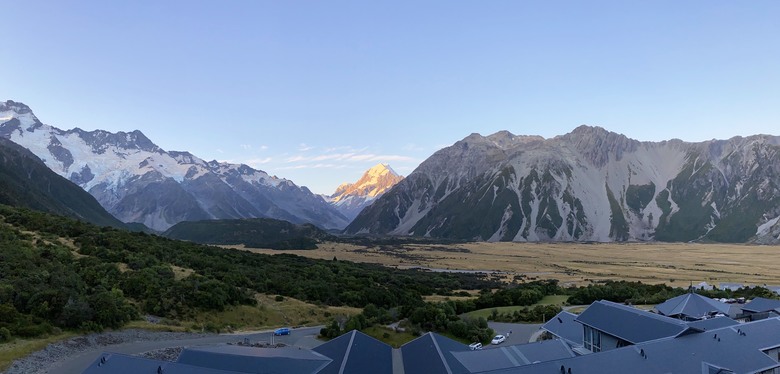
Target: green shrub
(5,335)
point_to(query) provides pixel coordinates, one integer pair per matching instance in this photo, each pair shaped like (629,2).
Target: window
(592,339)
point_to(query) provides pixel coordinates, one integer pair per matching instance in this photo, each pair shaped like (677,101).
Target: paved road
(303,337)
(521,332)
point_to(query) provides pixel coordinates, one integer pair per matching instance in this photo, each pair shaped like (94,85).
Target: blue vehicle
(282,331)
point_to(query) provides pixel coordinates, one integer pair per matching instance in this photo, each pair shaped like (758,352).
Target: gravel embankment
(40,362)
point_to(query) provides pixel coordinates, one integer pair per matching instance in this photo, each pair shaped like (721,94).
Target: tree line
(59,273)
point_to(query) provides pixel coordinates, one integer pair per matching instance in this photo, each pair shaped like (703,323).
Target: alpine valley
(588,185)
(137,181)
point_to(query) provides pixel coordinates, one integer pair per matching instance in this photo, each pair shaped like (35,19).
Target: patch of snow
(503,226)
(765,229)
(715,210)
(413,214)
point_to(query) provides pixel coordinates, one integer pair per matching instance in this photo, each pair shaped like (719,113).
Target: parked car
(498,339)
(282,331)
(475,346)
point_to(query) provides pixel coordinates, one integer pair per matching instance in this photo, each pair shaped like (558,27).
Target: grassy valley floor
(676,264)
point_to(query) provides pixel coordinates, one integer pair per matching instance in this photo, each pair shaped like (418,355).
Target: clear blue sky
(319,91)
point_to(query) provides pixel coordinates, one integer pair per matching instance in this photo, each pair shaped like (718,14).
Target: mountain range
(588,185)
(26,182)
(351,198)
(137,181)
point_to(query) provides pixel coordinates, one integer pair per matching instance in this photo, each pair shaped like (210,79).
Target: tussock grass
(268,314)
(676,264)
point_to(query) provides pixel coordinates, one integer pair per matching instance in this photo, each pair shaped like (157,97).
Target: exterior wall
(608,342)
(774,354)
(599,341)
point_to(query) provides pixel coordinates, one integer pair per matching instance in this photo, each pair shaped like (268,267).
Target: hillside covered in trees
(62,273)
(252,232)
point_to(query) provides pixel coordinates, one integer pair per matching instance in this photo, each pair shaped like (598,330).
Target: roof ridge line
(346,353)
(441,355)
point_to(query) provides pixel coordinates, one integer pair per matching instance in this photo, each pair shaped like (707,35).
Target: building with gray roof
(433,354)
(623,339)
(351,353)
(730,286)
(115,363)
(356,352)
(761,304)
(712,323)
(691,306)
(760,308)
(513,356)
(746,348)
(564,326)
(608,325)
(245,359)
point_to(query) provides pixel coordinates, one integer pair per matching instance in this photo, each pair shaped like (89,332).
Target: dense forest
(251,232)
(56,272)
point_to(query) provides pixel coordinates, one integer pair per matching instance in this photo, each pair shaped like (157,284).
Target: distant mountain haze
(351,198)
(137,181)
(588,185)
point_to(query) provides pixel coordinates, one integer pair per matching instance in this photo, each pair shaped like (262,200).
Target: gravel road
(75,354)
(43,360)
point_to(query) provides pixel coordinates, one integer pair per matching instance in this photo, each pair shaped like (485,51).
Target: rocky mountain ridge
(588,185)
(351,198)
(137,181)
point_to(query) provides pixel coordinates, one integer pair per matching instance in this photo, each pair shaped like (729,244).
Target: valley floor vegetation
(59,275)
(676,264)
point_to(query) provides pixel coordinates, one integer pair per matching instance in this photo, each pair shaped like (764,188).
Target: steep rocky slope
(137,181)
(588,185)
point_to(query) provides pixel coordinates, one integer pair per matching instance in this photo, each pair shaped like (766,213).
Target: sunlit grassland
(268,313)
(676,264)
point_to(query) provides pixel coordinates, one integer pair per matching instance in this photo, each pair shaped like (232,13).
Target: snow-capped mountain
(588,185)
(351,198)
(137,181)
(26,182)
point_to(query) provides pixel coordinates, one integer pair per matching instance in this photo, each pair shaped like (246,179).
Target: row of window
(592,339)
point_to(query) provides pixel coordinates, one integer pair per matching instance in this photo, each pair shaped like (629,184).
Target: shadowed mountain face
(26,182)
(137,181)
(588,185)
